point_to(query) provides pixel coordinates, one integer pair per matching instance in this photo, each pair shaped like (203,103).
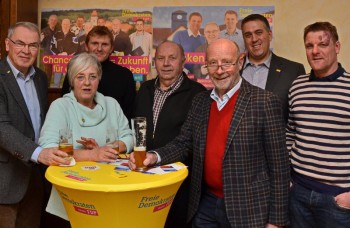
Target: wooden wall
(13,11)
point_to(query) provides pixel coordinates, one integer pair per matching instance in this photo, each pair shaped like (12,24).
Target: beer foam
(139,148)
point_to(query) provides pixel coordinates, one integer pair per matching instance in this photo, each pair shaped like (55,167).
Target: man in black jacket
(165,102)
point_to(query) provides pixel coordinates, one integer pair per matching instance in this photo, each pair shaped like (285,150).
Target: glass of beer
(112,139)
(66,142)
(138,125)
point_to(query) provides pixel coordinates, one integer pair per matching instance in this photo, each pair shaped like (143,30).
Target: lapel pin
(278,70)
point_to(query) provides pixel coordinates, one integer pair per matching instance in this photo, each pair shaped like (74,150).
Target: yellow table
(96,195)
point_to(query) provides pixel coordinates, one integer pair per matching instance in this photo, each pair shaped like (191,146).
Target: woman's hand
(105,154)
(88,143)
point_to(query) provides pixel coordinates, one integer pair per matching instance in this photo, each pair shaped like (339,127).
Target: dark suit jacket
(282,73)
(17,134)
(255,166)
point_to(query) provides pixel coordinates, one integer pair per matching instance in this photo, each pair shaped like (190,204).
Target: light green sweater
(66,112)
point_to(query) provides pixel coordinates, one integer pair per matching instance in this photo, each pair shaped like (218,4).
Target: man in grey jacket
(23,105)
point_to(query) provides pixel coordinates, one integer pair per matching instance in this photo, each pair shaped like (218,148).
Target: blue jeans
(310,209)
(211,213)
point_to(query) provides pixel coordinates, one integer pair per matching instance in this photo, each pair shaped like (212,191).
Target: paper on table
(166,168)
(72,163)
(55,205)
(122,165)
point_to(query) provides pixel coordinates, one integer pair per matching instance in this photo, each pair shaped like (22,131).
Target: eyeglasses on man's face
(20,45)
(226,65)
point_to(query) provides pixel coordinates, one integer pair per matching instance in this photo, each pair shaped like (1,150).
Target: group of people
(193,41)
(245,170)
(66,38)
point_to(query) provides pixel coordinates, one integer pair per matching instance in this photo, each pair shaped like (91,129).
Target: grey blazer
(17,133)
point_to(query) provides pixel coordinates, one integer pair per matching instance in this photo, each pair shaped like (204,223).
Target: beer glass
(66,142)
(111,139)
(138,125)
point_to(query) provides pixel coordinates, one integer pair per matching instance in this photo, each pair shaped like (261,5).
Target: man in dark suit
(121,40)
(262,67)
(23,105)
(235,134)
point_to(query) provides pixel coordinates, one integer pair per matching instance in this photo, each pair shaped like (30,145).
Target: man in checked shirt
(165,101)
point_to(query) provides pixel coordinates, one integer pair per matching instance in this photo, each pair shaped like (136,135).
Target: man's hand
(151,160)
(53,156)
(343,200)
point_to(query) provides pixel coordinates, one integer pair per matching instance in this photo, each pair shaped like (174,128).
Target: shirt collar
(266,63)
(332,77)
(235,32)
(227,95)
(171,87)
(17,73)
(140,33)
(190,33)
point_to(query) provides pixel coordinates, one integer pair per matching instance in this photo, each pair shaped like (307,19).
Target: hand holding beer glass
(66,142)
(138,125)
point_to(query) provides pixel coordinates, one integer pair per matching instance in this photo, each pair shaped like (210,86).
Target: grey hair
(29,25)
(80,63)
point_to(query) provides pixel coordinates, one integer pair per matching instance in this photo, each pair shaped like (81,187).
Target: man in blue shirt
(232,32)
(191,38)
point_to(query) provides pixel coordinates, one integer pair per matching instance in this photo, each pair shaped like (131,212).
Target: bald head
(225,45)
(116,25)
(65,25)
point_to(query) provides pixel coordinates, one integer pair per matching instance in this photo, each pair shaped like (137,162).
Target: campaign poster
(207,24)
(63,33)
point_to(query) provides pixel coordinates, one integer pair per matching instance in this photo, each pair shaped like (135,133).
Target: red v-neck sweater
(218,127)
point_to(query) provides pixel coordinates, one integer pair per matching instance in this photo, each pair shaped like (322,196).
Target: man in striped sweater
(318,135)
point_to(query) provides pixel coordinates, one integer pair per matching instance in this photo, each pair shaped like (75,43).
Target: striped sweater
(318,132)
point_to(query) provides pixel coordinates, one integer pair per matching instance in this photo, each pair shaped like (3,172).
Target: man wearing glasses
(235,135)
(23,105)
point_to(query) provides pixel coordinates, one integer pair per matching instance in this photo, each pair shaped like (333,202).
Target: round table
(98,195)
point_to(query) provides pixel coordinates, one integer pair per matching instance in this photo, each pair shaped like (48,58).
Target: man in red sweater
(235,134)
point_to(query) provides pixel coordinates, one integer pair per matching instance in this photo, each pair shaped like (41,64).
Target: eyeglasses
(20,45)
(91,78)
(214,66)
